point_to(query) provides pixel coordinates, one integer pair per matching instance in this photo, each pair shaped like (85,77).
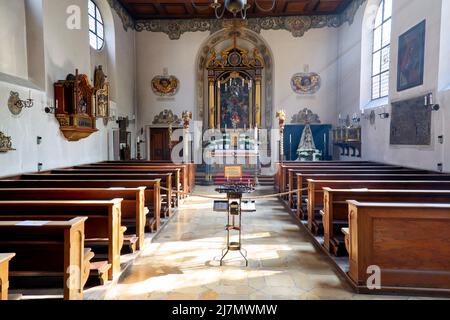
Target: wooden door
(159,144)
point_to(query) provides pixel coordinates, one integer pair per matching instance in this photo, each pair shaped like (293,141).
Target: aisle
(183,260)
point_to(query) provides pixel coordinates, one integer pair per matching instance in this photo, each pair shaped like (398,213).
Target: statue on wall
(307,148)
(99,78)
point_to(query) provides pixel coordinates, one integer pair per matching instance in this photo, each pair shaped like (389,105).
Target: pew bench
(409,242)
(5,258)
(103,226)
(311,210)
(49,249)
(133,205)
(282,168)
(176,174)
(292,174)
(152,191)
(187,171)
(165,181)
(335,212)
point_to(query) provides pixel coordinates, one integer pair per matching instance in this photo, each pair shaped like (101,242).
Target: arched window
(381,50)
(96,27)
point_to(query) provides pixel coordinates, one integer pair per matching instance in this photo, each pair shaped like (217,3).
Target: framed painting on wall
(411,57)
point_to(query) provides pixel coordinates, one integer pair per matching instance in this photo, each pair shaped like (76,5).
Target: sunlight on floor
(182,263)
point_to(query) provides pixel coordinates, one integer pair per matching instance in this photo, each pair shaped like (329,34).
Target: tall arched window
(381,50)
(96,27)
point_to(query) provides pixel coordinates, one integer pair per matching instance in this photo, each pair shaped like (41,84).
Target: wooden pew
(383,176)
(5,258)
(408,242)
(335,209)
(165,180)
(282,168)
(152,191)
(102,226)
(315,187)
(53,249)
(133,204)
(292,174)
(187,185)
(175,182)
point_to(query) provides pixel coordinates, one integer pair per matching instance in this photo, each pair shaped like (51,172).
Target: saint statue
(307,148)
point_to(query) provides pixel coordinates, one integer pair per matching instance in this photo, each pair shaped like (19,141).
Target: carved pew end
(151,224)
(346,232)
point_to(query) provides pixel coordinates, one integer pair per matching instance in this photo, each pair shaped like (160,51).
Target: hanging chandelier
(236,7)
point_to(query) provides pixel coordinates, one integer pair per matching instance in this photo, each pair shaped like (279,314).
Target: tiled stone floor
(182,262)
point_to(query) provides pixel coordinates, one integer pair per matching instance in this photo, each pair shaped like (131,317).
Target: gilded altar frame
(234,62)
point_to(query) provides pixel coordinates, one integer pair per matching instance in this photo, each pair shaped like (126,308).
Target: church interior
(224,150)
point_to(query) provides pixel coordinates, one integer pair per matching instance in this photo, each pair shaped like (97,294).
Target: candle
(430,101)
(29,95)
(138,140)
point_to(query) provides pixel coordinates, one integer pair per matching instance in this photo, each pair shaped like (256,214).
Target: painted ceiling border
(297,25)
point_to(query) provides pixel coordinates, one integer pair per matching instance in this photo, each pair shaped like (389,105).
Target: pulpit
(75,107)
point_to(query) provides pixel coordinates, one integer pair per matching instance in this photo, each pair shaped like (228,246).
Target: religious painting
(306,83)
(234,104)
(411,57)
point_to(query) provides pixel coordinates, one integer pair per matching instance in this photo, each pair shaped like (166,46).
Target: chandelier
(236,7)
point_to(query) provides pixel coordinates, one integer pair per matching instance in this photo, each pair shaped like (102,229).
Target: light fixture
(16,105)
(429,103)
(236,7)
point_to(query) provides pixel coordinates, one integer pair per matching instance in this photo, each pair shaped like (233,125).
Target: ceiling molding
(297,25)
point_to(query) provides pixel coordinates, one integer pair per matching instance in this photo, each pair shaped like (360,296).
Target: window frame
(379,51)
(98,19)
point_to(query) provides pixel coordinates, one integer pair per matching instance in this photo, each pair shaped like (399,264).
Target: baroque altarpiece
(234,82)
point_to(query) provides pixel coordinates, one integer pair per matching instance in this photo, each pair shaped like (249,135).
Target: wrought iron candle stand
(234,217)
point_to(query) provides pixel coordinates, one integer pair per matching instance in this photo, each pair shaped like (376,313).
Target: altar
(235,148)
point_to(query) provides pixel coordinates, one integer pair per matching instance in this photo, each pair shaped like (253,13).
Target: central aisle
(182,262)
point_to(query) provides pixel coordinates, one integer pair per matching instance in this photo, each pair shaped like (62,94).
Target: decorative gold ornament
(281,115)
(165,85)
(187,117)
(167,117)
(5,143)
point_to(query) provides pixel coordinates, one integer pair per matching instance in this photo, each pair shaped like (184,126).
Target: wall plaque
(411,123)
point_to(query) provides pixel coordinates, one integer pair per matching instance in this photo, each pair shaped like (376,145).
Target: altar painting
(235,101)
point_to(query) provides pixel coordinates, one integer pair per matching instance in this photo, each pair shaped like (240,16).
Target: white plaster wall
(318,49)
(65,50)
(13,49)
(154,52)
(376,139)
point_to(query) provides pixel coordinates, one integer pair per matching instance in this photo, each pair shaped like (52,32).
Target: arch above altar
(234,81)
